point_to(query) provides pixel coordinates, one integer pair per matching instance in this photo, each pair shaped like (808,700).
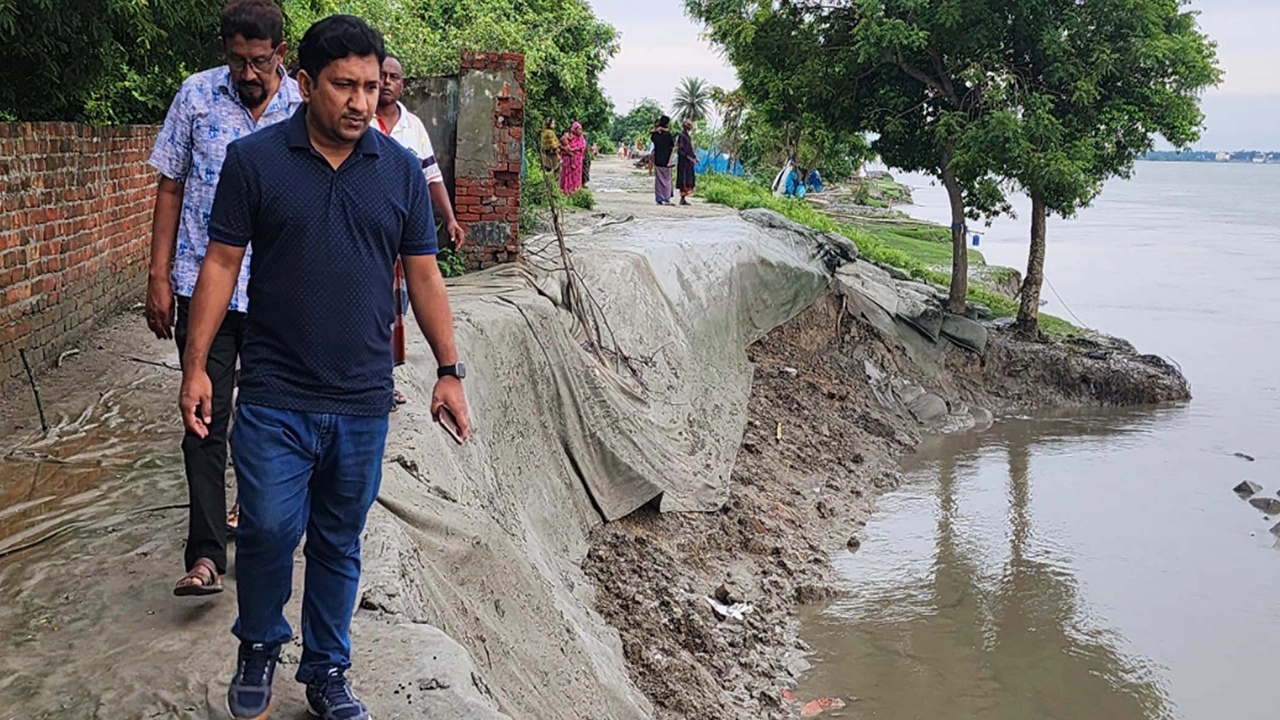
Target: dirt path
(621,190)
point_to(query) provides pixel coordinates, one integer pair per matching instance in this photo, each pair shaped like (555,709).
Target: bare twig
(164,365)
(600,339)
(31,379)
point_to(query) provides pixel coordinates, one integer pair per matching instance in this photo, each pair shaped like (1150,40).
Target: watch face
(460,370)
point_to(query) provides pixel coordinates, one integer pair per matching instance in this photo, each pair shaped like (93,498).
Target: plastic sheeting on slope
(474,606)
(485,541)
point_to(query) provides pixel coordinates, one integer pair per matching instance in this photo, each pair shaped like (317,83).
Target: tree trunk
(1028,324)
(959,251)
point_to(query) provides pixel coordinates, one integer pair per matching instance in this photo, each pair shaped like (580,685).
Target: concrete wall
(75,225)
(435,101)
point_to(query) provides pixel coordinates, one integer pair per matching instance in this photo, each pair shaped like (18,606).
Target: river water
(1093,566)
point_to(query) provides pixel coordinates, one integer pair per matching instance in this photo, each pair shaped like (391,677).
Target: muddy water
(1096,565)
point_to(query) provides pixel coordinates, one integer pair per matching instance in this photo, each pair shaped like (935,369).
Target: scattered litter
(736,611)
(816,707)
(790,371)
(788,696)
(779,432)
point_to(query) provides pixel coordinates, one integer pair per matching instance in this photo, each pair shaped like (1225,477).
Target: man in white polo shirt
(404,127)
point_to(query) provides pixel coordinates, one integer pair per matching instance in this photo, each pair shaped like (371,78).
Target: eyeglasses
(261,65)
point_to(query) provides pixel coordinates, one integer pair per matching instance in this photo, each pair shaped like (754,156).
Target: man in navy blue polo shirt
(329,204)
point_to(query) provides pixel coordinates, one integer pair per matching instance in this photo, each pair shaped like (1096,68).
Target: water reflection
(964,606)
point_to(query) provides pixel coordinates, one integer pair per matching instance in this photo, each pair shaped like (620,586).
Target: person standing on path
(329,203)
(404,127)
(573,147)
(550,149)
(686,162)
(660,160)
(211,109)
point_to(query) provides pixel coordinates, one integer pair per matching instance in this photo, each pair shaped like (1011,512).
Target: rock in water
(1270,506)
(1276,530)
(853,544)
(1247,488)
(1242,456)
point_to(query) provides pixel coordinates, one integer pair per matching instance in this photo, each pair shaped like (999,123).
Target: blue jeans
(299,472)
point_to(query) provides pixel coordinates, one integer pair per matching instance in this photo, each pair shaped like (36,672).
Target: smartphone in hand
(450,424)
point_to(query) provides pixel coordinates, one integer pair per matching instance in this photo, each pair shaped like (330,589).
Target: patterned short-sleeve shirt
(205,117)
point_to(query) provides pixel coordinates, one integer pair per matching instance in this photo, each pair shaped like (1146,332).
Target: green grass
(581,198)
(913,248)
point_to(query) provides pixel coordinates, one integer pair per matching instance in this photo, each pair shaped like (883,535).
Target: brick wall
(75,223)
(489,153)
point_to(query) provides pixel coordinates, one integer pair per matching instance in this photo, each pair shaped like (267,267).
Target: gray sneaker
(249,697)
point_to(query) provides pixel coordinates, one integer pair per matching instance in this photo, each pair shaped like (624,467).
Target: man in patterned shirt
(212,109)
(404,127)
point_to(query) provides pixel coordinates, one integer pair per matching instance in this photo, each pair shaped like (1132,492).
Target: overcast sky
(660,45)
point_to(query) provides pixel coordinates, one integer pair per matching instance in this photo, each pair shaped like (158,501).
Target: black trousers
(206,458)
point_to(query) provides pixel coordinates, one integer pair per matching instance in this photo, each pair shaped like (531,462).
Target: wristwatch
(459,371)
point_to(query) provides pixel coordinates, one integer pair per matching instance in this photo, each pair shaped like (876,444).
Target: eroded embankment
(838,395)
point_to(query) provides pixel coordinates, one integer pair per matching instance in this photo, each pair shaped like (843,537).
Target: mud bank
(839,394)
(559,565)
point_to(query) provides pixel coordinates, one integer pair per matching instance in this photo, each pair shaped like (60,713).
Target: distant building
(1223,157)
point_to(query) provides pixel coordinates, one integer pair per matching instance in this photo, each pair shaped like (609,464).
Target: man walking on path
(329,203)
(404,127)
(211,109)
(686,164)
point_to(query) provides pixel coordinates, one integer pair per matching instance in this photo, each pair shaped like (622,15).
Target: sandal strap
(203,571)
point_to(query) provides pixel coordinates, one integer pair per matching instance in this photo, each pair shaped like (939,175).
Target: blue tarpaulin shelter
(717,162)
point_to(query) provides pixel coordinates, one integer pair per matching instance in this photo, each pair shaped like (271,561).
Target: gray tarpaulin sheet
(473,602)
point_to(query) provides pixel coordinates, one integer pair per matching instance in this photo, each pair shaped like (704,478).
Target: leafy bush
(451,263)
(581,198)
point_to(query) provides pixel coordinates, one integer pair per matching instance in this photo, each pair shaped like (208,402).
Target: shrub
(581,198)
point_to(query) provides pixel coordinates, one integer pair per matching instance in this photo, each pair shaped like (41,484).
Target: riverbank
(837,398)
(839,394)
(574,547)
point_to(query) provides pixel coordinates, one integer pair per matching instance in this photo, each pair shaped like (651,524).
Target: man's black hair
(664,121)
(336,37)
(252,20)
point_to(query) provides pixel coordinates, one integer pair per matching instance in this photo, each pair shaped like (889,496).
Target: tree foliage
(101,60)
(121,61)
(637,123)
(1092,85)
(982,94)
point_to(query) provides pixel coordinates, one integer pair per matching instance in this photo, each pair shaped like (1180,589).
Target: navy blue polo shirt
(318,331)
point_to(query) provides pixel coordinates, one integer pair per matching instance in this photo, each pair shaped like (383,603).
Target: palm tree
(692,100)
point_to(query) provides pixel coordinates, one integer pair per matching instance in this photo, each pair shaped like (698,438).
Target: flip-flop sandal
(233,519)
(399,397)
(201,580)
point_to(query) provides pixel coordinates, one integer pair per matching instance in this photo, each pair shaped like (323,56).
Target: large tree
(1092,85)
(918,73)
